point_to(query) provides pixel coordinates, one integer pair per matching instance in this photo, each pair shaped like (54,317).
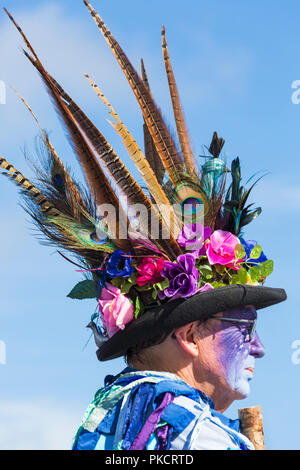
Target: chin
(242,389)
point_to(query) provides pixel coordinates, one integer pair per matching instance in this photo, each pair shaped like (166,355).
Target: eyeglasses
(250,326)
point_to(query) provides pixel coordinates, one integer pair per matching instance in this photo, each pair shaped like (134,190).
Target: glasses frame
(251,333)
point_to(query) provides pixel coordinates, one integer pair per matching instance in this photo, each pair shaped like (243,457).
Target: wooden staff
(251,425)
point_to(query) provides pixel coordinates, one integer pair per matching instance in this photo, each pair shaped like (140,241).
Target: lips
(251,369)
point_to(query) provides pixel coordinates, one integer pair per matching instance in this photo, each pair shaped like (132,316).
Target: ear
(188,338)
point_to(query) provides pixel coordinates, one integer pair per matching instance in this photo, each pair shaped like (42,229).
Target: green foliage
(206,273)
(266,268)
(139,307)
(239,251)
(216,284)
(124,283)
(236,199)
(163,284)
(240,277)
(254,272)
(84,290)
(256,252)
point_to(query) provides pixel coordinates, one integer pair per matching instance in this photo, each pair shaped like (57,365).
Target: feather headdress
(143,247)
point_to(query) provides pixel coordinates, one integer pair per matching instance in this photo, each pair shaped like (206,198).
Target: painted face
(237,353)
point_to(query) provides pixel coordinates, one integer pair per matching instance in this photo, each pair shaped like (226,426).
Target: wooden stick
(251,425)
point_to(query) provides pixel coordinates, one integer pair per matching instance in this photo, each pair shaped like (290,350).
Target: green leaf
(239,251)
(139,307)
(216,284)
(206,271)
(122,283)
(84,290)
(266,268)
(163,284)
(255,273)
(220,268)
(255,252)
(154,293)
(240,277)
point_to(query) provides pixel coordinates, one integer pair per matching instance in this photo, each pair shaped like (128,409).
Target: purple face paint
(236,355)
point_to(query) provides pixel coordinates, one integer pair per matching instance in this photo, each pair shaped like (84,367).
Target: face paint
(237,357)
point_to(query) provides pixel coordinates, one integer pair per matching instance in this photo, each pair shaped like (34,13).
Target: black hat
(179,312)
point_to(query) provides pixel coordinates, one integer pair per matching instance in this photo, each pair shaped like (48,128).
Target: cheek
(233,352)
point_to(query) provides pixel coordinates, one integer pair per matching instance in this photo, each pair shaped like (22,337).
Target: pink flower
(149,270)
(220,249)
(116,309)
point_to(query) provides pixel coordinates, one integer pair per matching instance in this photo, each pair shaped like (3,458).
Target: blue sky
(235,63)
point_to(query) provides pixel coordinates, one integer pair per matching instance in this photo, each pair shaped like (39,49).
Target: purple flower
(183,277)
(193,236)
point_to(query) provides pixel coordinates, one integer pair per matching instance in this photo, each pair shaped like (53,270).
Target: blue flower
(119,265)
(248,246)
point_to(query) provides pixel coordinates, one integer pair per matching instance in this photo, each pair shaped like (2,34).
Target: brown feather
(117,170)
(163,141)
(28,188)
(189,159)
(74,197)
(150,149)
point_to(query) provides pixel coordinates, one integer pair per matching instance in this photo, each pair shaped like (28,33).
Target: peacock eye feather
(94,238)
(192,205)
(58,180)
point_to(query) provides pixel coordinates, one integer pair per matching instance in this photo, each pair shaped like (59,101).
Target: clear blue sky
(234,63)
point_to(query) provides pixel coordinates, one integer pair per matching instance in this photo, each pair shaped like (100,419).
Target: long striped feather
(60,229)
(150,149)
(72,190)
(98,183)
(163,141)
(30,189)
(189,159)
(118,171)
(141,162)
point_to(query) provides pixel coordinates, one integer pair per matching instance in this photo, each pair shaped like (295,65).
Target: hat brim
(165,318)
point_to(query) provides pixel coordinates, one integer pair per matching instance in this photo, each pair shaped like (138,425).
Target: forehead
(247,312)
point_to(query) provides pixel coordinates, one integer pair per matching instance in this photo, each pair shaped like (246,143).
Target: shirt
(151,410)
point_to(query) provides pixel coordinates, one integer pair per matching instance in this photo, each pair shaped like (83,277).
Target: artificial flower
(206,286)
(193,236)
(119,265)
(115,308)
(183,277)
(150,271)
(248,246)
(220,249)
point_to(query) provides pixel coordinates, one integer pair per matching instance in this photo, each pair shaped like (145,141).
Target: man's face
(227,357)
(237,352)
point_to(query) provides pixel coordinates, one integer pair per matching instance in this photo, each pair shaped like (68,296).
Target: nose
(257,349)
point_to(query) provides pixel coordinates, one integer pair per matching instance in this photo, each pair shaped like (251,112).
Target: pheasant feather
(29,189)
(150,149)
(163,141)
(141,163)
(189,159)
